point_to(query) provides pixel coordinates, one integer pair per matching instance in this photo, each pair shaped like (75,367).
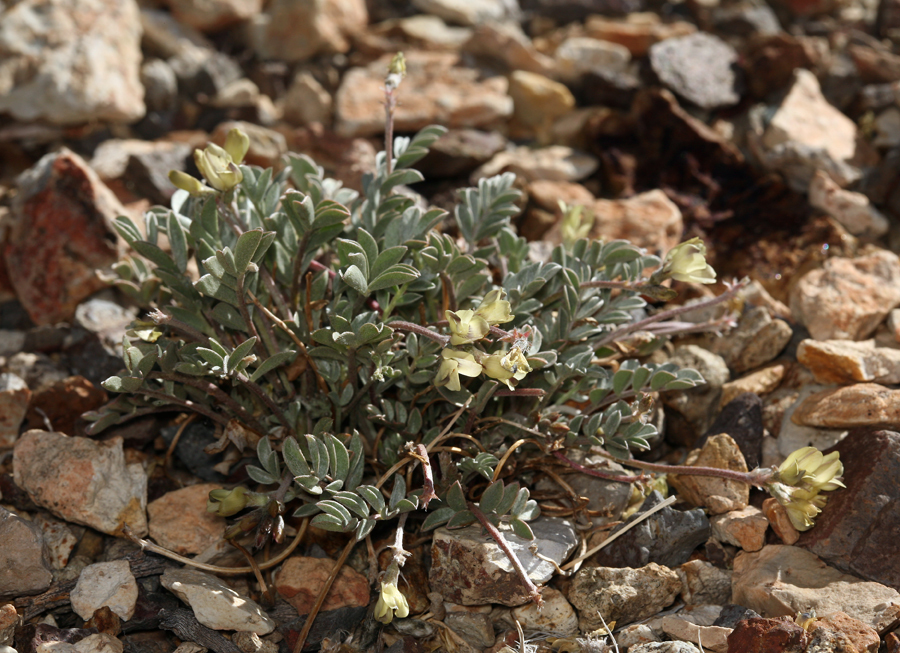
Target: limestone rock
(295,31)
(792,435)
(745,528)
(649,220)
(713,638)
(470,569)
(537,101)
(59,537)
(470,12)
(215,604)
(301,578)
(704,583)
(61,235)
(783,580)
(580,55)
(847,298)
(179,521)
(853,210)
(699,67)
(556,163)
(109,584)
(757,340)
(507,44)
(82,481)
(636,31)
(761,382)
(718,495)
(665,647)
(307,101)
(778,518)
(849,361)
(557,616)
(621,595)
(436,90)
(849,631)
(23,561)
(213,15)
(852,406)
(71,62)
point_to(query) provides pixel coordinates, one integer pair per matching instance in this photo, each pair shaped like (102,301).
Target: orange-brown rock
(301,578)
(862,404)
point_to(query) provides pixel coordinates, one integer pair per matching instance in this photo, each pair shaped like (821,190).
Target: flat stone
(475,628)
(699,67)
(783,580)
(757,340)
(69,63)
(295,31)
(436,90)
(14,399)
(857,530)
(432,33)
(744,528)
(853,210)
(850,361)
(712,638)
(213,15)
(635,635)
(697,405)
(606,500)
(718,495)
(469,12)
(761,382)
(23,564)
(215,604)
(580,55)
(621,595)
(307,101)
(637,31)
(537,101)
(847,298)
(852,406)
(557,616)
(469,568)
(557,163)
(668,537)
(179,521)
(301,578)
(82,481)
(818,134)
(793,436)
(61,235)
(109,584)
(704,584)
(507,44)
(767,636)
(458,152)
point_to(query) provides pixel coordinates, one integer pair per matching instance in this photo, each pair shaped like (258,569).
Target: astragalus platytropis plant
(359,342)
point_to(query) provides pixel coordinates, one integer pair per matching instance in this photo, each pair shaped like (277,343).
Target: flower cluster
(391,601)
(219,166)
(798,482)
(468,327)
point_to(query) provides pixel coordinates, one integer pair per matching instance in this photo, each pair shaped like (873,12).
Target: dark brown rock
(770,61)
(767,636)
(63,403)
(458,152)
(741,418)
(859,528)
(61,235)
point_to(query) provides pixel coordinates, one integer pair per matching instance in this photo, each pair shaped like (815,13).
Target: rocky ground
(771,130)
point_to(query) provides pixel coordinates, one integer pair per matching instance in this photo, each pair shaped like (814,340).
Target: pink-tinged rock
(745,528)
(71,62)
(294,30)
(82,481)
(783,580)
(23,561)
(213,15)
(853,210)
(767,636)
(718,495)
(849,361)
(848,630)
(852,406)
(436,90)
(179,521)
(59,538)
(847,298)
(9,619)
(61,235)
(14,398)
(109,584)
(648,220)
(637,31)
(301,578)
(859,528)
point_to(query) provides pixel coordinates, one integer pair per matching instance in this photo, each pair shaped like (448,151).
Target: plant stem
(497,536)
(320,600)
(421,453)
(215,391)
(186,403)
(618,334)
(420,330)
(757,477)
(625,478)
(267,400)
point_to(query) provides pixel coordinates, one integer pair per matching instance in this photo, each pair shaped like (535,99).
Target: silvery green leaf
(365,527)
(239,353)
(354,278)
(521,529)
(177,242)
(294,458)
(122,384)
(461,519)
(329,523)
(398,492)
(271,363)
(245,249)
(491,497)
(437,517)
(353,502)
(455,497)
(335,509)
(307,510)
(260,475)
(340,458)
(373,496)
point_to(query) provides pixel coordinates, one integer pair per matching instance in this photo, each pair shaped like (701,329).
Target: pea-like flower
(237,143)
(799,480)
(455,363)
(226,503)
(218,168)
(466,327)
(494,309)
(687,262)
(391,601)
(184,181)
(510,368)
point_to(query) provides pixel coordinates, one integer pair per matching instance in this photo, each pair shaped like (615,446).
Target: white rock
(470,12)
(99,643)
(108,584)
(71,62)
(557,616)
(793,436)
(853,210)
(215,604)
(557,162)
(712,638)
(578,55)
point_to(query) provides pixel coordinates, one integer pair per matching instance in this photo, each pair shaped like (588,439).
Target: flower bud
(184,181)
(236,144)
(226,503)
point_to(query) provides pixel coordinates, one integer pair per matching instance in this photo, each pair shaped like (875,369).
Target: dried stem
(320,599)
(625,478)
(420,453)
(420,330)
(757,477)
(497,536)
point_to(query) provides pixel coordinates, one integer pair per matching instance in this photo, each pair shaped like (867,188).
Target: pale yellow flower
(217,167)
(391,601)
(226,503)
(798,482)
(687,262)
(184,181)
(466,327)
(236,144)
(494,309)
(456,363)
(507,367)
